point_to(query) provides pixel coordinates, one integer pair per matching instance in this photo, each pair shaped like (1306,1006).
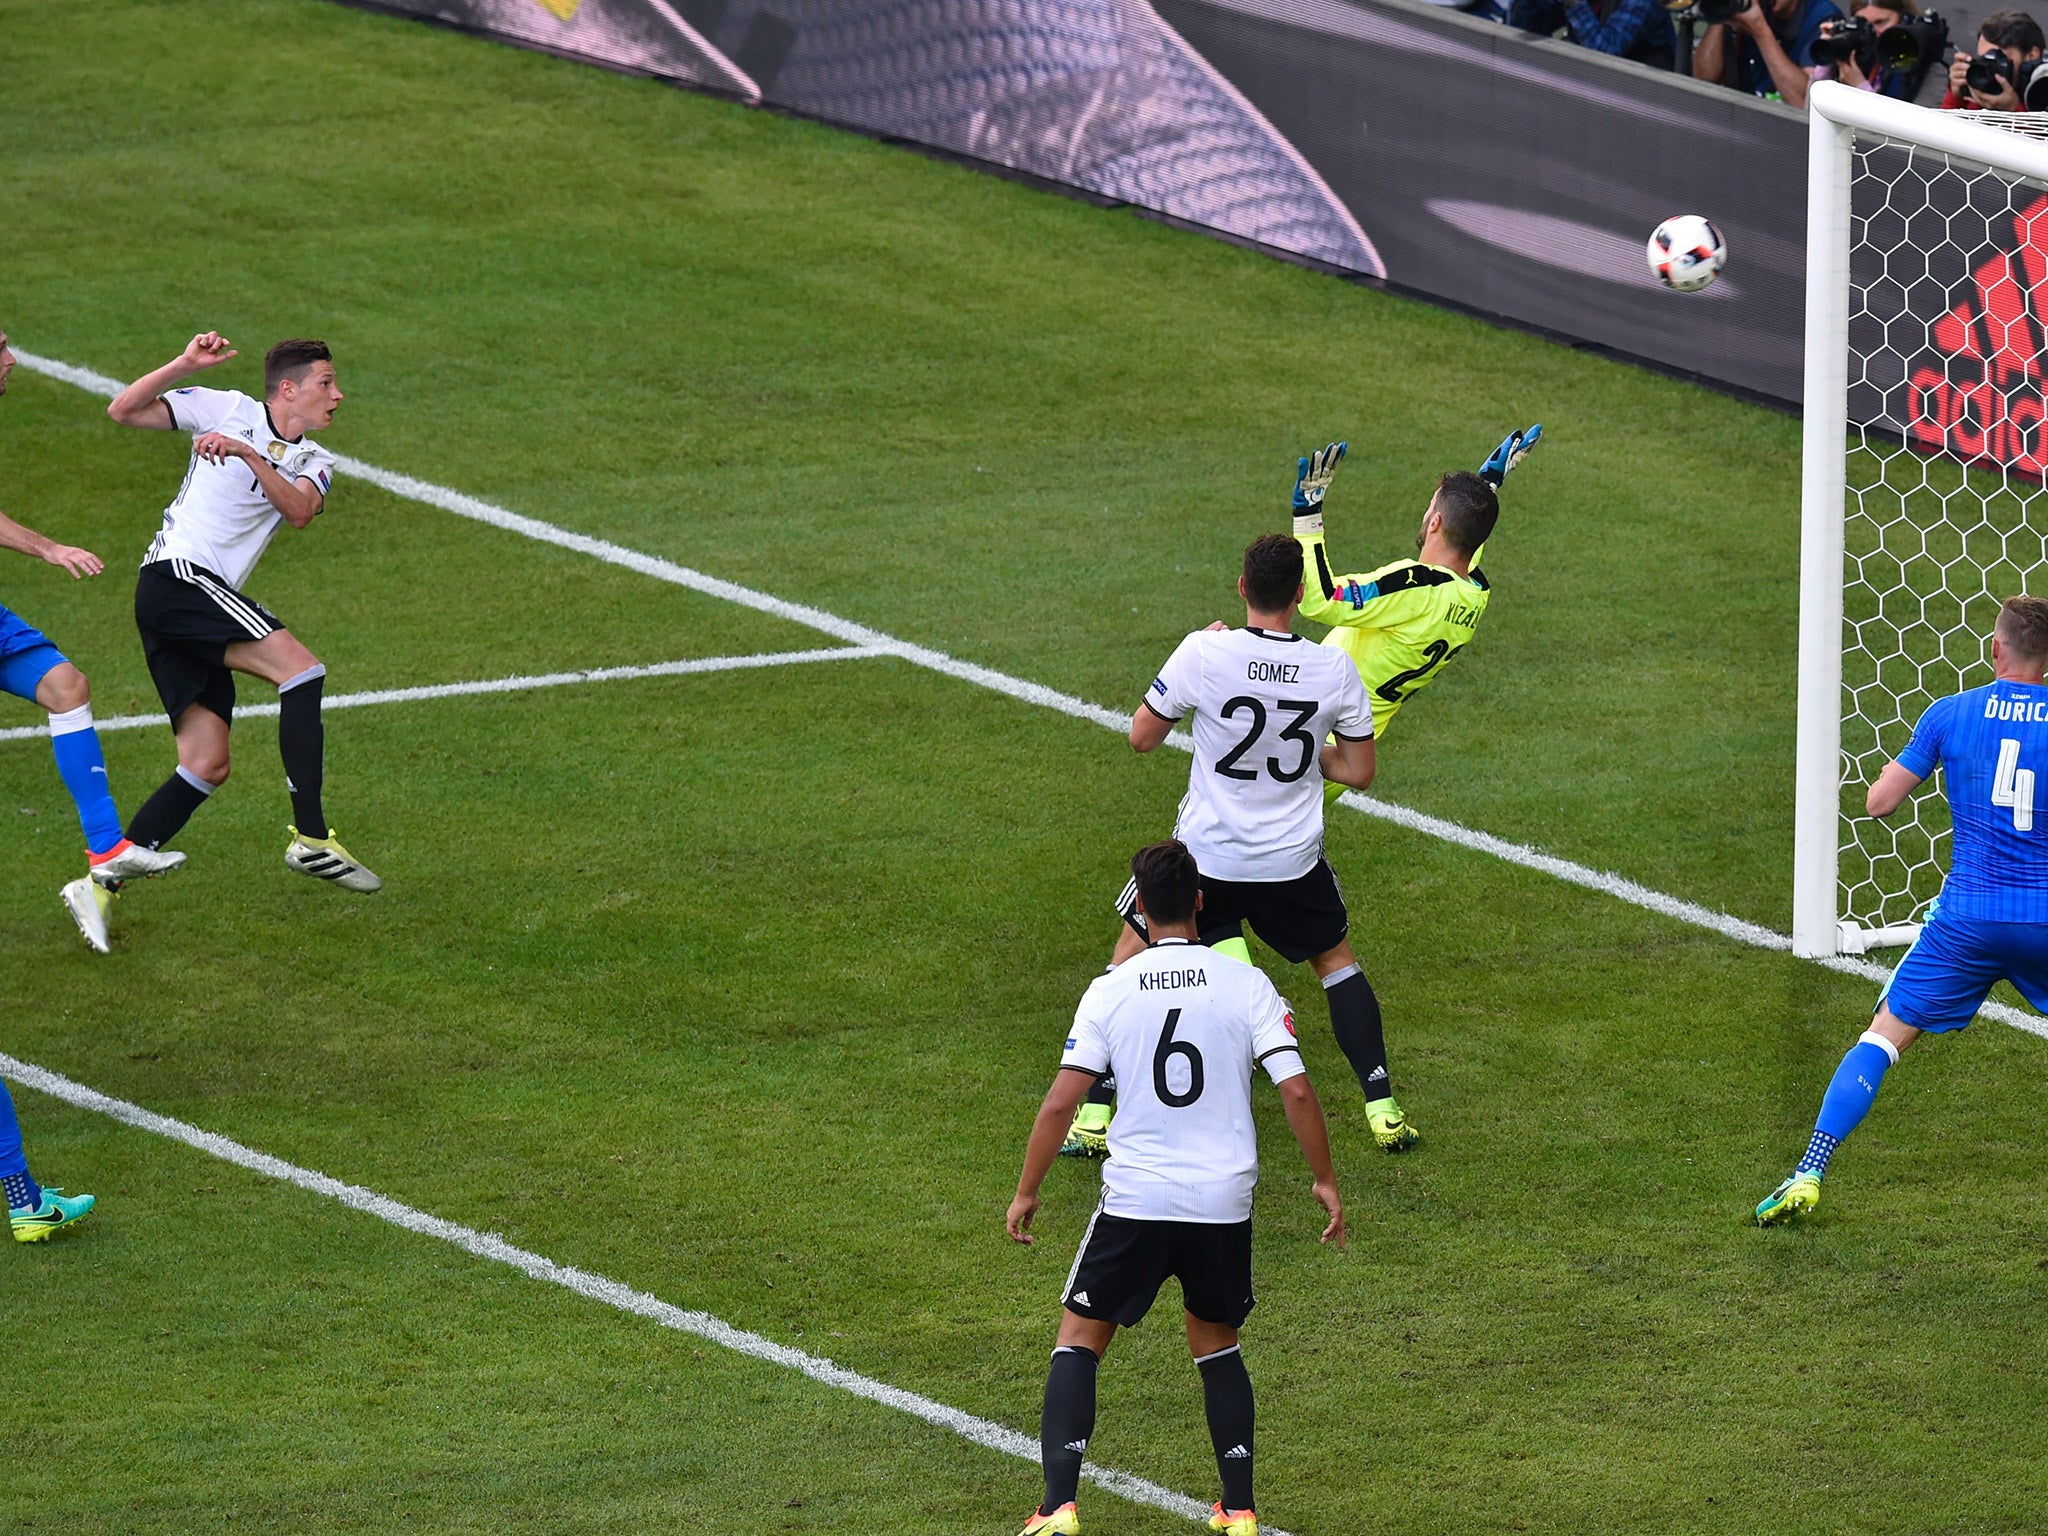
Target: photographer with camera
(1762,47)
(1887,47)
(1628,29)
(2005,74)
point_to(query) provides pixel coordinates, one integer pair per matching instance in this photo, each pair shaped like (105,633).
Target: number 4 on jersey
(2014,786)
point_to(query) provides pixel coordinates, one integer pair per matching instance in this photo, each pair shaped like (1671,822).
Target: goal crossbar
(1837,113)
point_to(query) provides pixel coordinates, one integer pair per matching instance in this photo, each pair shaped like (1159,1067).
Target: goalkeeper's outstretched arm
(1354,599)
(1320,587)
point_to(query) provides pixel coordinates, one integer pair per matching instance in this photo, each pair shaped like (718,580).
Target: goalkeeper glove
(1312,477)
(1512,450)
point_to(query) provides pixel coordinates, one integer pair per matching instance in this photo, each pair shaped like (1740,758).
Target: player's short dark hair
(2011,30)
(2023,626)
(1272,571)
(1469,509)
(1167,880)
(291,359)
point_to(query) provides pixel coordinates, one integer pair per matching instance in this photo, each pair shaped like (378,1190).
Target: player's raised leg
(33,1212)
(82,765)
(1361,1034)
(203,766)
(300,678)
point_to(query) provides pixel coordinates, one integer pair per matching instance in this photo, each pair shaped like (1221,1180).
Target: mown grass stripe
(1617,886)
(599,1288)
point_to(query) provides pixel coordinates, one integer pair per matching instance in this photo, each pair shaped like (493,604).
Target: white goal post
(1926,445)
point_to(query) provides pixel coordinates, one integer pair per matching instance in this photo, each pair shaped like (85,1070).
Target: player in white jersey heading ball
(253,467)
(1275,716)
(1183,1028)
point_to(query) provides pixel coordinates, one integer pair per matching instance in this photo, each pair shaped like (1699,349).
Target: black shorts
(1123,1263)
(1298,919)
(188,618)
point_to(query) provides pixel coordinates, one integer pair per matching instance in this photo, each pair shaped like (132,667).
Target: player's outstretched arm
(1312,476)
(1891,789)
(141,404)
(1305,1119)
(79,562)
(1068,1089)
(1512,450)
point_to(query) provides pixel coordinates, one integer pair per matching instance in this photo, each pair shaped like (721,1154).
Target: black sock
(1067,1422)
(302,743)
(1104,1091)
(1227,1394)
(164,812)
(1355,1021)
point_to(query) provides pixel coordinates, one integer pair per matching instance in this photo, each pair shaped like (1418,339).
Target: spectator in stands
(2014,34)
(1772,54)
(1629,29)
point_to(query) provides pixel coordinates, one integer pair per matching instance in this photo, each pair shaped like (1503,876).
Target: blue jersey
(1991,743)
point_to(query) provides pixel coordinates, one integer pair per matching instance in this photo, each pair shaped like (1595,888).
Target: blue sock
(21,1189)
(84,770)
(1848,1098)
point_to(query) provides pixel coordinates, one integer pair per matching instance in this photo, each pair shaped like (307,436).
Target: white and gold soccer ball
(1687,253)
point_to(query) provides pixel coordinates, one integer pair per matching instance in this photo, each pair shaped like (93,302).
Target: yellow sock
(1236,948)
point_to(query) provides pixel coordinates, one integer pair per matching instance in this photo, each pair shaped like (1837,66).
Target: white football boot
(88,905)
(131,861)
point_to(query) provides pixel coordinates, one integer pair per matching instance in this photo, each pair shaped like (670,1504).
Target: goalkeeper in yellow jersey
(1402,623)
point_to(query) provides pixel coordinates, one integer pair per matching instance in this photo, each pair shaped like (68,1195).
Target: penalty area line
(505,685)
(1617,886)
(612,1293)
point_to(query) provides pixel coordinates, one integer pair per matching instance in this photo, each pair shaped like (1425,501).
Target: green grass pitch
(741,988)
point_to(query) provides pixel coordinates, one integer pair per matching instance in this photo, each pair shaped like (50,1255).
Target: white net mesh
(1947,448)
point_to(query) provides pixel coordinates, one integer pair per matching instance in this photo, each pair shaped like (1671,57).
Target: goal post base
(1854,939)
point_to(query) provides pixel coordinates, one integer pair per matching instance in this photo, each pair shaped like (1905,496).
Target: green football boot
(1799,1194)
(34,1224)
(1390,1128)
(1088,1136)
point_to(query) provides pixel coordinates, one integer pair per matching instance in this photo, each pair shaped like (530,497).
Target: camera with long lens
(1717,11)
(1912,44)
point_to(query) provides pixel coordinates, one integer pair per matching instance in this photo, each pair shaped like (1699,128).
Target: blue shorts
(1951,968)
(25,655)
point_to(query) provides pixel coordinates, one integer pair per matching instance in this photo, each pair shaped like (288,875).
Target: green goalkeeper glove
(1312,477)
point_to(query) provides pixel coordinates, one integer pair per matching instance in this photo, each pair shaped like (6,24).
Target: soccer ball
(1687,253)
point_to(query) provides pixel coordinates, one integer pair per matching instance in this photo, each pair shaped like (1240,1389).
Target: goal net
(1925,449)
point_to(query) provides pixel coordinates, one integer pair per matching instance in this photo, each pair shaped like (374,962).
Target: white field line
(488,1245)
(1034,693)
(500,685)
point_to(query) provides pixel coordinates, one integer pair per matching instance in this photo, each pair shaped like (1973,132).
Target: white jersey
(221,521)
(1263,703)
(1182,1028)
